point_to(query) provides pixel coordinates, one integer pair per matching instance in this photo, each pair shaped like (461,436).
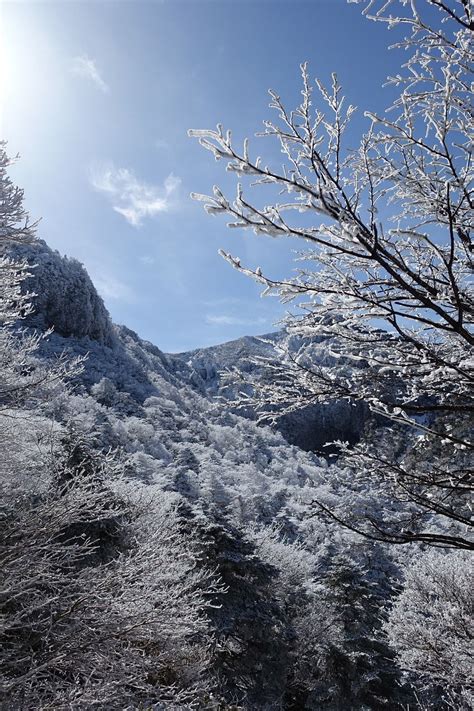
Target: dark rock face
(315,427)
(65,297)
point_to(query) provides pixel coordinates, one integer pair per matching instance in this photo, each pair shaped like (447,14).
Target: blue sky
(98,97)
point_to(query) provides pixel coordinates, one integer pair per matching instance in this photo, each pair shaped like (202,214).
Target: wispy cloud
(111,288)
(86,67)
(132,198)
(226,320)
(147,259)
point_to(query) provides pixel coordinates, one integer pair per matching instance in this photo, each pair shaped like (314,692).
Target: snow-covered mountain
(229,368)
(245,493)
(158,408)
(67,301)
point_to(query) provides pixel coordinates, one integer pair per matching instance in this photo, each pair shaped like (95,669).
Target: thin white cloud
(147,259)
(111,288)
(226,320)
(86,67)
(132,198)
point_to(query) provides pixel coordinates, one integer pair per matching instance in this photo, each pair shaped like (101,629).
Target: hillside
(284,633)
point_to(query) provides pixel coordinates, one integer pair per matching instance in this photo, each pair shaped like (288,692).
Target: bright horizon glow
(98,100)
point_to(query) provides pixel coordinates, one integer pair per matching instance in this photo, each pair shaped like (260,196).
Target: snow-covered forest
(278,523)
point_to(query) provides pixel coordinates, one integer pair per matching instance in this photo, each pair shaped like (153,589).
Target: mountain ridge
(67,301)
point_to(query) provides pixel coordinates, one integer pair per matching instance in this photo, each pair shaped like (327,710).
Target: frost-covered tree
(101,601)
(23,378)
(333,605)
(385,275)
(250,658)
(361,666)
(431,624)
(101,605)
